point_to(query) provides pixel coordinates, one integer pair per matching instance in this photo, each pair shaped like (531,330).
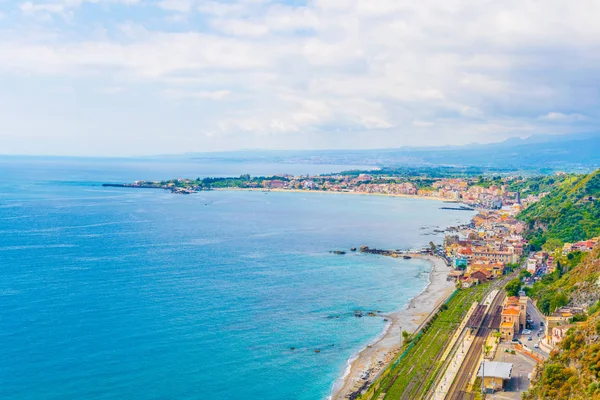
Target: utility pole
(482,368)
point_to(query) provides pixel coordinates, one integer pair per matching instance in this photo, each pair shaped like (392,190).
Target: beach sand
(373,359)
(408,196)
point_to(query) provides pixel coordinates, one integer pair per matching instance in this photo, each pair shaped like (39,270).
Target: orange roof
(507,325)
(510,311)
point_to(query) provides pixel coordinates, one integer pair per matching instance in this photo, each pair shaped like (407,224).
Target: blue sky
(133,77)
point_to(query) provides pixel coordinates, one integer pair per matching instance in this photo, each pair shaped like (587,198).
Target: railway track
(458,388)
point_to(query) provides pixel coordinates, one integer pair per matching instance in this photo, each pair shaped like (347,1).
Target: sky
(139,77)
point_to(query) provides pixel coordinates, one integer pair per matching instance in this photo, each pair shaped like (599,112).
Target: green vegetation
(537,184)
(576,278)
(568,214)
(524,274)
(513,287)
(415,370)
(573,372)
(430,172)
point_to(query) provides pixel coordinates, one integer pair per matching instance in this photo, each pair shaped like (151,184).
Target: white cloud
(112,90)
(490,69)
(63,6)
(422,124)
(182,6)
(557,116)
(203,94)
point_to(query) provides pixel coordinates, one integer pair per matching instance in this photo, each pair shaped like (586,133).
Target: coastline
(407,196)
(376,356)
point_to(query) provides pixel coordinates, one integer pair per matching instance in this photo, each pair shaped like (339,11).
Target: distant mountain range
(540,152)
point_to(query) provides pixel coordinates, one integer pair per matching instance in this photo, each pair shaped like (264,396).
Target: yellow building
(514,316)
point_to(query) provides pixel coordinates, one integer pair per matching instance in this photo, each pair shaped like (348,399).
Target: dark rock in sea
(371,314)
(353,249)
(358,313)
(317,351)
(385,320)
(364,248)
(292,348)
(407,257)
(339,252)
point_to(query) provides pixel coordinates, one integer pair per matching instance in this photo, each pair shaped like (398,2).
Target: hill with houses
(570,213)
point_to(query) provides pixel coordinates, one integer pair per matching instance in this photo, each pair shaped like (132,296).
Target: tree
(552,244)
(513,287)
(407,337)
(524,274)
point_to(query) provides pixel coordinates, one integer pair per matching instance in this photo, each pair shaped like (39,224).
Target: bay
(140,294)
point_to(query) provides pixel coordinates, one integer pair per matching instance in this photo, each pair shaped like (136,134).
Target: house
(558,334)
(531,264)
(480,276)
(455,274)
(274,184)
(495,374)
(559,318)
(466,282)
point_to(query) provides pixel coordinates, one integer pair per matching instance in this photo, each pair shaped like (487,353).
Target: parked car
(537,346)
(529,338)
(526,332)
(542,323)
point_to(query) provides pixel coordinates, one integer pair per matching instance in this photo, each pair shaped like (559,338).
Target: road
(522,366)
(537,318)
(470,364)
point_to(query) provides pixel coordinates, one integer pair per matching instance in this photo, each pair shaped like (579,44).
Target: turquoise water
(140,294)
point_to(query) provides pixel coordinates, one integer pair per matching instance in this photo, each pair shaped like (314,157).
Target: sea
(117,293)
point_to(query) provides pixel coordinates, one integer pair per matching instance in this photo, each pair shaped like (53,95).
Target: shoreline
(377,355)
(407,196)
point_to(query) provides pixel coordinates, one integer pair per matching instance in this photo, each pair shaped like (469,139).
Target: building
(558,334)
(480,276)
(495,374)
(514,316)
(559,319)
(531,264)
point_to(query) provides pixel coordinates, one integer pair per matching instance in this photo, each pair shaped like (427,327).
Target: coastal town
(500,343)
(489,193)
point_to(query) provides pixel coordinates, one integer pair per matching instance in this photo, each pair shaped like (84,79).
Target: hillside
(573,372)
(575,283)
(566,214)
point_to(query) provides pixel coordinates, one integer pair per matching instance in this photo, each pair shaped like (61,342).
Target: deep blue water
(140,294)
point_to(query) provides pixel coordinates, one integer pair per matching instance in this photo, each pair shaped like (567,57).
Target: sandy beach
(408,196)
(377,355)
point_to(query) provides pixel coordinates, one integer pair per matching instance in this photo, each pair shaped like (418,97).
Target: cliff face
(573,371)
(585,280)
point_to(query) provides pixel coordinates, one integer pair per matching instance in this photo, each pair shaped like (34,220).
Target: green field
(413,373)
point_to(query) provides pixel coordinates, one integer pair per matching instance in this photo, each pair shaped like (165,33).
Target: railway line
(458,388)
